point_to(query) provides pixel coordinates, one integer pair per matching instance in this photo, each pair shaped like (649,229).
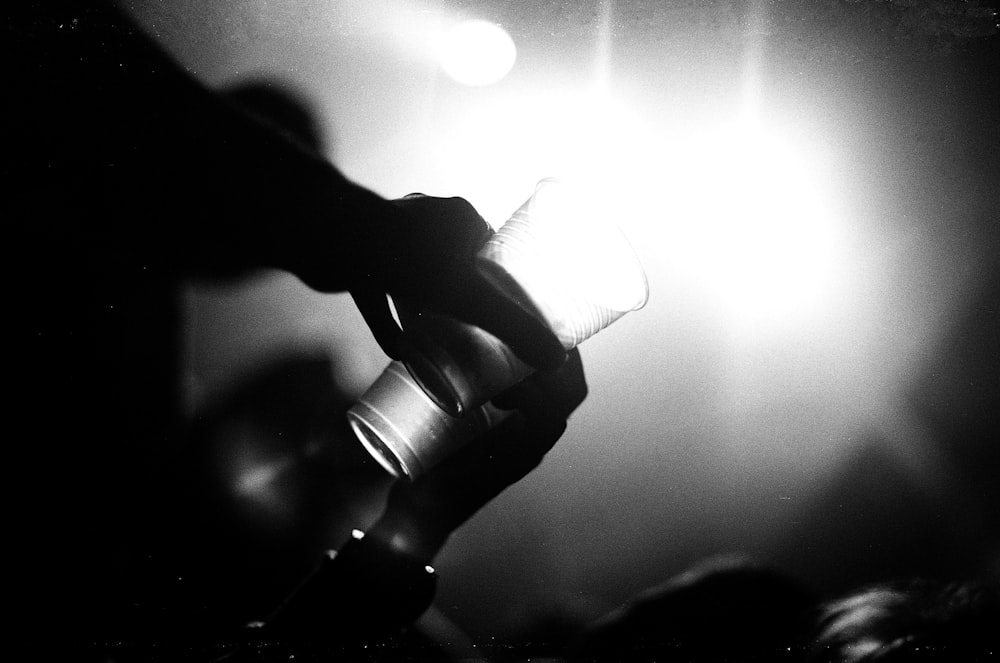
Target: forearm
(173,173)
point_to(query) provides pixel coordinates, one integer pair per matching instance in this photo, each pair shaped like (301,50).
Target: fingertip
(544,353)
(555,358)
(505,401)
(532,340)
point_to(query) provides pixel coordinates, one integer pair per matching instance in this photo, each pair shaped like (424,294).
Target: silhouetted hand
(420,515)
(378,583)
(427,263)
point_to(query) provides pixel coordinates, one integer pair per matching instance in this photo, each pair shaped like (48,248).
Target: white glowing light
(494,150)
(752,224)
(477,52)
(741,214)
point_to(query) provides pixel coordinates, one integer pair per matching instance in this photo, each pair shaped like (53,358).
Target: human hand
(427,263)
(379,581)
(420,515)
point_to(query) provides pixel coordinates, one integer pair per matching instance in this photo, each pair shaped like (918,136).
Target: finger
(513,318)
(445,234)
(520,447)
(451,492)
(373,304)
(549,393)
(444,227)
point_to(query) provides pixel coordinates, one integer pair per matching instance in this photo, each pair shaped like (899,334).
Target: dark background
(852,441)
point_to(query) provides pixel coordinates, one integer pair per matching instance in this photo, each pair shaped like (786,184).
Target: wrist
(346,237)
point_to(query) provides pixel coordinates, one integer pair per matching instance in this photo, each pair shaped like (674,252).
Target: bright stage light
(477,52)
(752,224)
(740,214)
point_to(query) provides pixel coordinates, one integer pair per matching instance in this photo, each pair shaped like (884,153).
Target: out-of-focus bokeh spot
(477,52)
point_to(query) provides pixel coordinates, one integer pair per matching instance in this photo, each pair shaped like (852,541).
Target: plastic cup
(405,431)
(560,256)
(460,366)
(563,251)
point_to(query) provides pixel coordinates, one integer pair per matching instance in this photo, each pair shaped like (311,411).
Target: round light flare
(477,53)
(754,227)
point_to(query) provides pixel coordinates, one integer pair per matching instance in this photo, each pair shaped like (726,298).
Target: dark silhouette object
(912,620)
(726,609)
(284,109)
(730,610)
(362,598)
(268,479)
(125,177)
